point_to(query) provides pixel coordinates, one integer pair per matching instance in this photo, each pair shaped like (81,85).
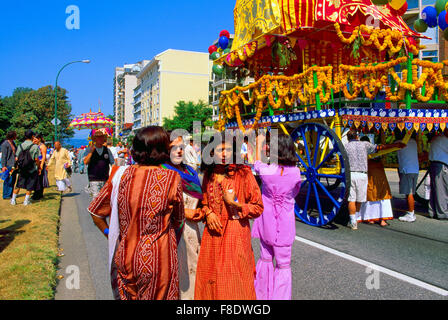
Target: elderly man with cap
(99,161)
(61,159)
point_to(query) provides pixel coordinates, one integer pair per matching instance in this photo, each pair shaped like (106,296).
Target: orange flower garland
(278,91)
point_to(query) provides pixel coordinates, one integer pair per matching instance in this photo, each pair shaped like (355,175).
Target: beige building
(125,81)
(171,76)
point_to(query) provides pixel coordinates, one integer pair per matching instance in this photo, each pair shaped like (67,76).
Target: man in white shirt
(245,151)
(121,154)
(190,156)
(438,170)
(113,150)
(408,171)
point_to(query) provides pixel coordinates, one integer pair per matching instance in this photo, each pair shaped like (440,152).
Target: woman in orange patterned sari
(150,211)
(226,264)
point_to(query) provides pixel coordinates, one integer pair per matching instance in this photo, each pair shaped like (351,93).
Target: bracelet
(106,231)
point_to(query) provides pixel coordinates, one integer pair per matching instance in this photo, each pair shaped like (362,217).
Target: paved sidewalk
(74,264)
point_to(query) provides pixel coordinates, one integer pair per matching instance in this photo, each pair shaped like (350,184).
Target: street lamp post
(56,97)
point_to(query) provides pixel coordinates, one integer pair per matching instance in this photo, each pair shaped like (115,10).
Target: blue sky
(35,43)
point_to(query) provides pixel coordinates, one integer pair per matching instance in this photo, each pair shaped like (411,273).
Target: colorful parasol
(92,120)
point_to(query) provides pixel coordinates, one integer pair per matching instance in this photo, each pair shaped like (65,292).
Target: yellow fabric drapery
(257,17)
(254,18)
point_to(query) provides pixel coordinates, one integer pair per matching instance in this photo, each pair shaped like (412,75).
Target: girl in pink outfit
(276,226)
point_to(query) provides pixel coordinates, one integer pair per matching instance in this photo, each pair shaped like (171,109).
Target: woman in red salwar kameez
(226,265)
(150,211)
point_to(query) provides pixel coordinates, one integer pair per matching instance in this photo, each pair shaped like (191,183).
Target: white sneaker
(353,225)
(407,218)
(26,203)
(442,216)
(13,202)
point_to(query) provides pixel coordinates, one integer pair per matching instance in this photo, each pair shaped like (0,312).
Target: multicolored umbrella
(92,120)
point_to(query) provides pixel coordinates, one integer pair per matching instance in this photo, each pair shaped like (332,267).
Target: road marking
(365,263)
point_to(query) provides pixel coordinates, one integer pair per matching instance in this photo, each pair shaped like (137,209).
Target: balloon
(218,69)
(397,4)
(380,2)
(224,33)
(429,15)
(215,55)
(442,20)
(212,49)
(440,5)
(224,42)
(400,12)
(227,51)
(446,7)
(420,26)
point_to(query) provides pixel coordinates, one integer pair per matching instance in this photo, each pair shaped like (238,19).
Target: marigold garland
(388,36)
(278,91)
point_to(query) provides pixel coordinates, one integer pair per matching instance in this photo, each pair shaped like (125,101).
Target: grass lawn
(29,246)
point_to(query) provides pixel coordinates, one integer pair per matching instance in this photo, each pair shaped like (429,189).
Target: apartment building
(171,76)
(125,81)
(436,48)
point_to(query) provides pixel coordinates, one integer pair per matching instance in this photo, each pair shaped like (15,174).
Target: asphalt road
(401,261)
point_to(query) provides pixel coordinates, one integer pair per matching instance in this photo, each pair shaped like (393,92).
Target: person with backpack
(28,167)
(8,150)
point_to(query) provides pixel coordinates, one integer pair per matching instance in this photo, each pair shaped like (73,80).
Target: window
(430,55)
(412,4)
(427,2)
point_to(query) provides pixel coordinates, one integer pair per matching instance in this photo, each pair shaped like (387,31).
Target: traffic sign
(58,121)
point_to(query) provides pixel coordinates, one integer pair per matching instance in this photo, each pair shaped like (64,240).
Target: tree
(4,119)
(34,109)
(185,113)
(111,117)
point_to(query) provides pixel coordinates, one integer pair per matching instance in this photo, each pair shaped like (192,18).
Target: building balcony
(222,82)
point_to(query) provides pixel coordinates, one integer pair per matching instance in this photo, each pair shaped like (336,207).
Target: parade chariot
(320,67)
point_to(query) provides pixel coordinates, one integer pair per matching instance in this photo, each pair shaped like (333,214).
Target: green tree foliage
(188,112)
(34,109)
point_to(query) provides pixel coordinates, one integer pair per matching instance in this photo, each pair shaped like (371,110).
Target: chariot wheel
(325,174)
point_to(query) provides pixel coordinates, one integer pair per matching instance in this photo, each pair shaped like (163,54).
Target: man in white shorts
(358,152)
(408,172)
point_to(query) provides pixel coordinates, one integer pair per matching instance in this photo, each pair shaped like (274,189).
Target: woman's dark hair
(236,157)
(365,139)
(286,151)
(11,135)
(151,146)
(29,134)
(352,135)
(40,136)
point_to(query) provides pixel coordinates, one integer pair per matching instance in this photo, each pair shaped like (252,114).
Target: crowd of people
(370,194)
(156,250)
(156,202)
(24,167)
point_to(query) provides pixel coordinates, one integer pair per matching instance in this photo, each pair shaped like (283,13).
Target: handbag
(4,175)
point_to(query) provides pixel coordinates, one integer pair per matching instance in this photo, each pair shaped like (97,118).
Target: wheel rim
(322,194)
